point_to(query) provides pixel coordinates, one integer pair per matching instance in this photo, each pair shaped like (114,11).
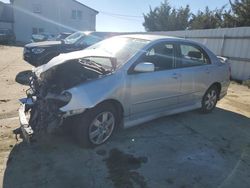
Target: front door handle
(207,71)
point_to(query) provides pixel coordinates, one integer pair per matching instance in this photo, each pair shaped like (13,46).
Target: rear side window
(192,56)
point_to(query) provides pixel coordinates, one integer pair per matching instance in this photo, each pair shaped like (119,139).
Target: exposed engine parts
(47,92)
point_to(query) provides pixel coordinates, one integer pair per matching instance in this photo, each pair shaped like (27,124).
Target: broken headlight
(66,96)
(61,99)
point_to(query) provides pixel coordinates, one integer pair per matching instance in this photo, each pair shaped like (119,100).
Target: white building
(51,16)
(6,16)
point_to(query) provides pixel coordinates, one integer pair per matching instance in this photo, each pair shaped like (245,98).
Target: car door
(156,91)
(194,66)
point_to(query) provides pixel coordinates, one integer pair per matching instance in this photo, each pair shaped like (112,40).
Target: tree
(166,18)
(207,20)
(240,12)
(227,19)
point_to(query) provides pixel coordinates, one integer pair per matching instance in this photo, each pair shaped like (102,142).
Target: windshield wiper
(92,65)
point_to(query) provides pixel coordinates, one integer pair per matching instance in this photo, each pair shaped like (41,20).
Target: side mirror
(144,67)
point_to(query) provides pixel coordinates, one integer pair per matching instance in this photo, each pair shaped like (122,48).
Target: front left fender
(89,94)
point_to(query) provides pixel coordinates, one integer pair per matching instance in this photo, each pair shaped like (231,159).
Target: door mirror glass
(145,67)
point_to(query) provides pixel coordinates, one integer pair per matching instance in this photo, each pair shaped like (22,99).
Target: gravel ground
(184,150)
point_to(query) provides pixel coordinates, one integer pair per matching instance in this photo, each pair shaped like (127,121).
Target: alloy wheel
(210,99)
(101,128)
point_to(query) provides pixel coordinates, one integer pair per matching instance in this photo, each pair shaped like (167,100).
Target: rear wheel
(96,125)
(210,99)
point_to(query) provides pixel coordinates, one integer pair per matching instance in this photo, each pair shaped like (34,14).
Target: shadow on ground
(185,150)
(23,77)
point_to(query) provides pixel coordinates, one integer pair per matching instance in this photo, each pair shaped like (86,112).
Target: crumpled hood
(62,58)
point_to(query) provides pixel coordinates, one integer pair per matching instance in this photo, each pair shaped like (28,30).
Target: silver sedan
(123,81)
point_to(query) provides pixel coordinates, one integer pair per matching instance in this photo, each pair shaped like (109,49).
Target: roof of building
(6,13)
(86,6)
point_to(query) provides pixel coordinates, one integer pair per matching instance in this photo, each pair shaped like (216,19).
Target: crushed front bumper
(27,130)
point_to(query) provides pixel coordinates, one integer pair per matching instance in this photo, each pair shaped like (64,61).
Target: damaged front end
(40,111)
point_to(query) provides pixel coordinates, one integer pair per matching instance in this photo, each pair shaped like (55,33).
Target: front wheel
(209,100)
(96,125)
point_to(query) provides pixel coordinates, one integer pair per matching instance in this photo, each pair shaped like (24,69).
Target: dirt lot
(184,150)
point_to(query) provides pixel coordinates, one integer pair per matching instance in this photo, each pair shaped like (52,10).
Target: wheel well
(117,105)
(218,86)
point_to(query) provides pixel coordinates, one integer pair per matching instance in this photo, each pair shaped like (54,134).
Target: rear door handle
(207,71)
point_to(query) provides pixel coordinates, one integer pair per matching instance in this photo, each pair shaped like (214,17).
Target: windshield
(122,48)
(88,40)
(72,39)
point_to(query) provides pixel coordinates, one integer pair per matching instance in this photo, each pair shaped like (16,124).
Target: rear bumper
(224,89)
(222,95)
(27,131)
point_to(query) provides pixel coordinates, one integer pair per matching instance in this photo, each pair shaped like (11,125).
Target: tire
(92,130)
(209,100)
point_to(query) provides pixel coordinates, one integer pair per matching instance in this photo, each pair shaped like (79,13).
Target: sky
(126,15)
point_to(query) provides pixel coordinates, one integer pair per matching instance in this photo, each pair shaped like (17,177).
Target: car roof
(149,37)
(154,37)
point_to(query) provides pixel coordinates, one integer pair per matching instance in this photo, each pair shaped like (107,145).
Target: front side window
(161,55)
(192,56)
